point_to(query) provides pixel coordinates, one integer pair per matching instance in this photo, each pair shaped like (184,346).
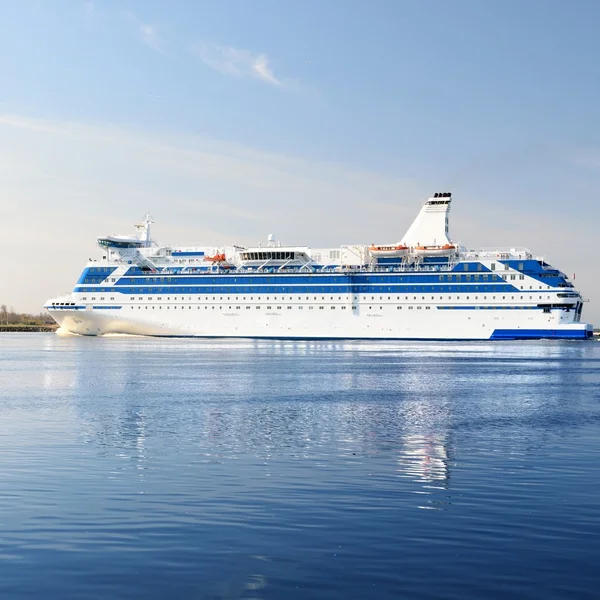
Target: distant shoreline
(23,327)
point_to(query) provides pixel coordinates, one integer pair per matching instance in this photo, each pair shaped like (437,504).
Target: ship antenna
(148,220)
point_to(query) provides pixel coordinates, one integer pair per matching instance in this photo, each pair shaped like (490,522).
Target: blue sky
(300,106)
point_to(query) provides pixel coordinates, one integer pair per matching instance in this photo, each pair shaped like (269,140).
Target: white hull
(385,321)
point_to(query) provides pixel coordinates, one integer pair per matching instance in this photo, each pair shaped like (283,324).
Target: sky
(324,123)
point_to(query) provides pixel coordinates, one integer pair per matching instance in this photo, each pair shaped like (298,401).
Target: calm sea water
(144,468)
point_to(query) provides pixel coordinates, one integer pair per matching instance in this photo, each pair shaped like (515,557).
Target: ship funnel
(430,228)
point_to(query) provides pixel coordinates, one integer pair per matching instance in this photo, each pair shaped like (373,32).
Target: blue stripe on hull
(158,289)
(234,278)
(541,334)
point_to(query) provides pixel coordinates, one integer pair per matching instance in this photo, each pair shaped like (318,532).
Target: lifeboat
(388,251)
(216,258)
(445,250)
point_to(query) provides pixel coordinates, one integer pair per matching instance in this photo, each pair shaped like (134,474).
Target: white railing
(500,253)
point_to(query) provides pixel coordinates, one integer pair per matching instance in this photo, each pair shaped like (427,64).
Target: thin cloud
(150,37)
(147,33)
(586,158)
(89,11)
(236,62)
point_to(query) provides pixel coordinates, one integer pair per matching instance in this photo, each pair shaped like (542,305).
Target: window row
(220,307)
(333,298)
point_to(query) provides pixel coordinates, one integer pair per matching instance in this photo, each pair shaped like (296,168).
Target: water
(144,468)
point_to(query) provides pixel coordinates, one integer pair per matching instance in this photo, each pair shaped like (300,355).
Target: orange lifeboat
(216,258)
(445,250)
(388,251)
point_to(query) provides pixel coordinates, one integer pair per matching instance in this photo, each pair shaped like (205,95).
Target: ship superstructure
(424,286)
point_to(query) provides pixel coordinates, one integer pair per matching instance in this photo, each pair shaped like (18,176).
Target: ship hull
(331,322)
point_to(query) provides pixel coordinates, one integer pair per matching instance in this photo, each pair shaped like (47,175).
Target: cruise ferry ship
(424,287)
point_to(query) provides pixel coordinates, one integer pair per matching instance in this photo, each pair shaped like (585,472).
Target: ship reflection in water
(424,459)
